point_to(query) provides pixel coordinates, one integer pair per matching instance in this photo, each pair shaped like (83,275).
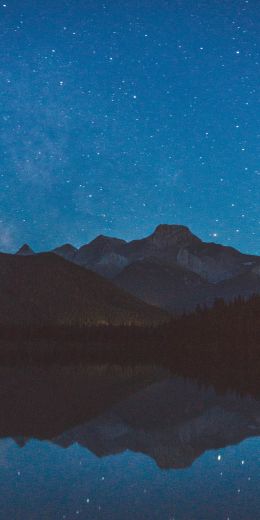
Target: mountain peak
(103,239)
(164,229)
(65,248)
(68,246)
(172,235)
(25,250)
(67,251)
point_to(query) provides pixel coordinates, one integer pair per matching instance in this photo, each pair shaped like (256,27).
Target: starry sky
(118,116)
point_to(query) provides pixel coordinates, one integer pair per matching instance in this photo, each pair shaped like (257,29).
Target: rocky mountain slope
(171,268)
(171,245)
(103,255)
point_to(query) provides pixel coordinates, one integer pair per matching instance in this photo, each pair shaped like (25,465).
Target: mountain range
(171,268)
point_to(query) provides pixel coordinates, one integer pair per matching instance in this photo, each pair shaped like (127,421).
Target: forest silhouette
(220,344)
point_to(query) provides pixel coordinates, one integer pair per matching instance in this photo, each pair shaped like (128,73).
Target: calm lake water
(125,444)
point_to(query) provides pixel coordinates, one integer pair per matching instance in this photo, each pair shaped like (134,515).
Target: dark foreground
(219,345)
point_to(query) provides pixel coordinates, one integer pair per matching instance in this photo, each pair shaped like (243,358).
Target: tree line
(222,341)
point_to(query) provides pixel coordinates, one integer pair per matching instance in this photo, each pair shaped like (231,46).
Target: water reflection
(173,421)
(66,426)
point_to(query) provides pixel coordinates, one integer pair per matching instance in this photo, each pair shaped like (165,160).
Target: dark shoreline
(220,345)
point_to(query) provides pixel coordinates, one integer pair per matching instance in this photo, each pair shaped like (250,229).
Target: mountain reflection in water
(105,411)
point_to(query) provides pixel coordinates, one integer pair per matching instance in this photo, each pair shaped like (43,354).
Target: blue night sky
(118,116)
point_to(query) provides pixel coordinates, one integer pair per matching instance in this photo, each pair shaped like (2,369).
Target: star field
(116,117)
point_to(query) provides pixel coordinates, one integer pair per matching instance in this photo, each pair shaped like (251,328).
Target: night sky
(120,115)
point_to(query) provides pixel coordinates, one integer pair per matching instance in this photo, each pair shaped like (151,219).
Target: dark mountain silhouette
(171,267)
(25,250)
(67,251)
(45,289)
(178,289)
(168,286)
(103,255)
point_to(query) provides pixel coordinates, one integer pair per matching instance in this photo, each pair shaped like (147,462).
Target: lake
(110,443)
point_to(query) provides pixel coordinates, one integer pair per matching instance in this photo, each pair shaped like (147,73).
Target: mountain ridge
(46,289)
(171,268)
